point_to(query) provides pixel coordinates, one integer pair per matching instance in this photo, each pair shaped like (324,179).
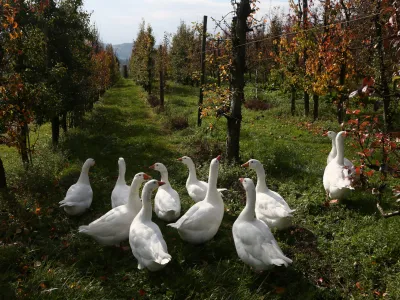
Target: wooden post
(218,55)
(3,181)
(161,78)
(305,25)
(203,69)
(125,71)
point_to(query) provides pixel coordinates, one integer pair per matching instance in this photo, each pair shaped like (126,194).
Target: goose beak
(325,133)
(245,165)
(152,167)
(345,134)
(160,183)
(180,159)
(146,177)
(241,180)
(219,157)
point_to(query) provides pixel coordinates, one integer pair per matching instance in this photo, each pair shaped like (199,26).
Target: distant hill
(123,51)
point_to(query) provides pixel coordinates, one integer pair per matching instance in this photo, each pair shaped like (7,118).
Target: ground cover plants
(344,250)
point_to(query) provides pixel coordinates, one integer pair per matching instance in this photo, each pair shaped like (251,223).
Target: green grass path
(43,257)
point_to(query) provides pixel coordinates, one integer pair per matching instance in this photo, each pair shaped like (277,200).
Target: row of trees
(52,68)
(321,49)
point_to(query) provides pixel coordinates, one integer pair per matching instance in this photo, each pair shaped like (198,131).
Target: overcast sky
(118,20)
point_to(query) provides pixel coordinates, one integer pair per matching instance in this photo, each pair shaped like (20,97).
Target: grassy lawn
(339,252)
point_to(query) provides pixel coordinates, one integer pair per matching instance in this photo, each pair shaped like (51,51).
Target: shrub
(256,104)
(178,122)
(153,100)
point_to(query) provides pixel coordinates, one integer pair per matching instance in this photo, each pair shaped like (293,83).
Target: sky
(118,20)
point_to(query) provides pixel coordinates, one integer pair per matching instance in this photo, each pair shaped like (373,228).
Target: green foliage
(184,55)
(142,61)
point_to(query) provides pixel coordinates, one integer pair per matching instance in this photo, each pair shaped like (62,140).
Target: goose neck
(261,184)
(84,177)
(164,176)
(192,172)
(340,149)
(212,192)
(121,175)
(333,150)
(248,213)
(145,213)
(134,202)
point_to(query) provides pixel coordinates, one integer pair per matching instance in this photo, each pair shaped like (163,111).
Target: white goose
(254,242)
(145,237)
(79,195)
(201,222)
(167,204)
(120,193)
(197,189)
(270,206)
(113,227)
(333,153)
(336,178)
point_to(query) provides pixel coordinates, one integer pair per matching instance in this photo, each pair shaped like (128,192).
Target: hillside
(123,51)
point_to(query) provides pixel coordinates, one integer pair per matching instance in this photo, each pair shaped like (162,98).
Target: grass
(339,252)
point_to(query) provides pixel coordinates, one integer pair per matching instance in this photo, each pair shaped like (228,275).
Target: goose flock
(131,215)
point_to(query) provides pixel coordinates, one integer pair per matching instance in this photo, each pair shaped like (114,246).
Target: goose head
(158,167)
(151,185)
(215,162)
(252,164)
(185,160)
(88,163)
(121,162)
(331,135)
(247,183)
(141,177)
(341,136)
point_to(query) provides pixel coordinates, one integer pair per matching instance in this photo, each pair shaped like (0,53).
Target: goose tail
(83,229)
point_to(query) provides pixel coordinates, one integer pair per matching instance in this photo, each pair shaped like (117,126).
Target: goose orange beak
(180,159)
(146,177)
(245,165)
(219,157)
(152,167)
(241,180)
(325,133)
(160,183)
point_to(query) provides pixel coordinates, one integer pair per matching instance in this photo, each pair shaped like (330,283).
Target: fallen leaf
(358,285)
(279,290)
(42,285)
(37,264)
(142,292)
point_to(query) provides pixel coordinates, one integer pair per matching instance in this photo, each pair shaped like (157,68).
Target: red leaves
(142,292)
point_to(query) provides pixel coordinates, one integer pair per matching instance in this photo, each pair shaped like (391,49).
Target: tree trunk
(305,25)
(3,182)
(306,104)
(23,146)
(387,115)
(239,28)
(64,122)
(316,106)
(203,70)
(339,107)
(293,100)
(55,130)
